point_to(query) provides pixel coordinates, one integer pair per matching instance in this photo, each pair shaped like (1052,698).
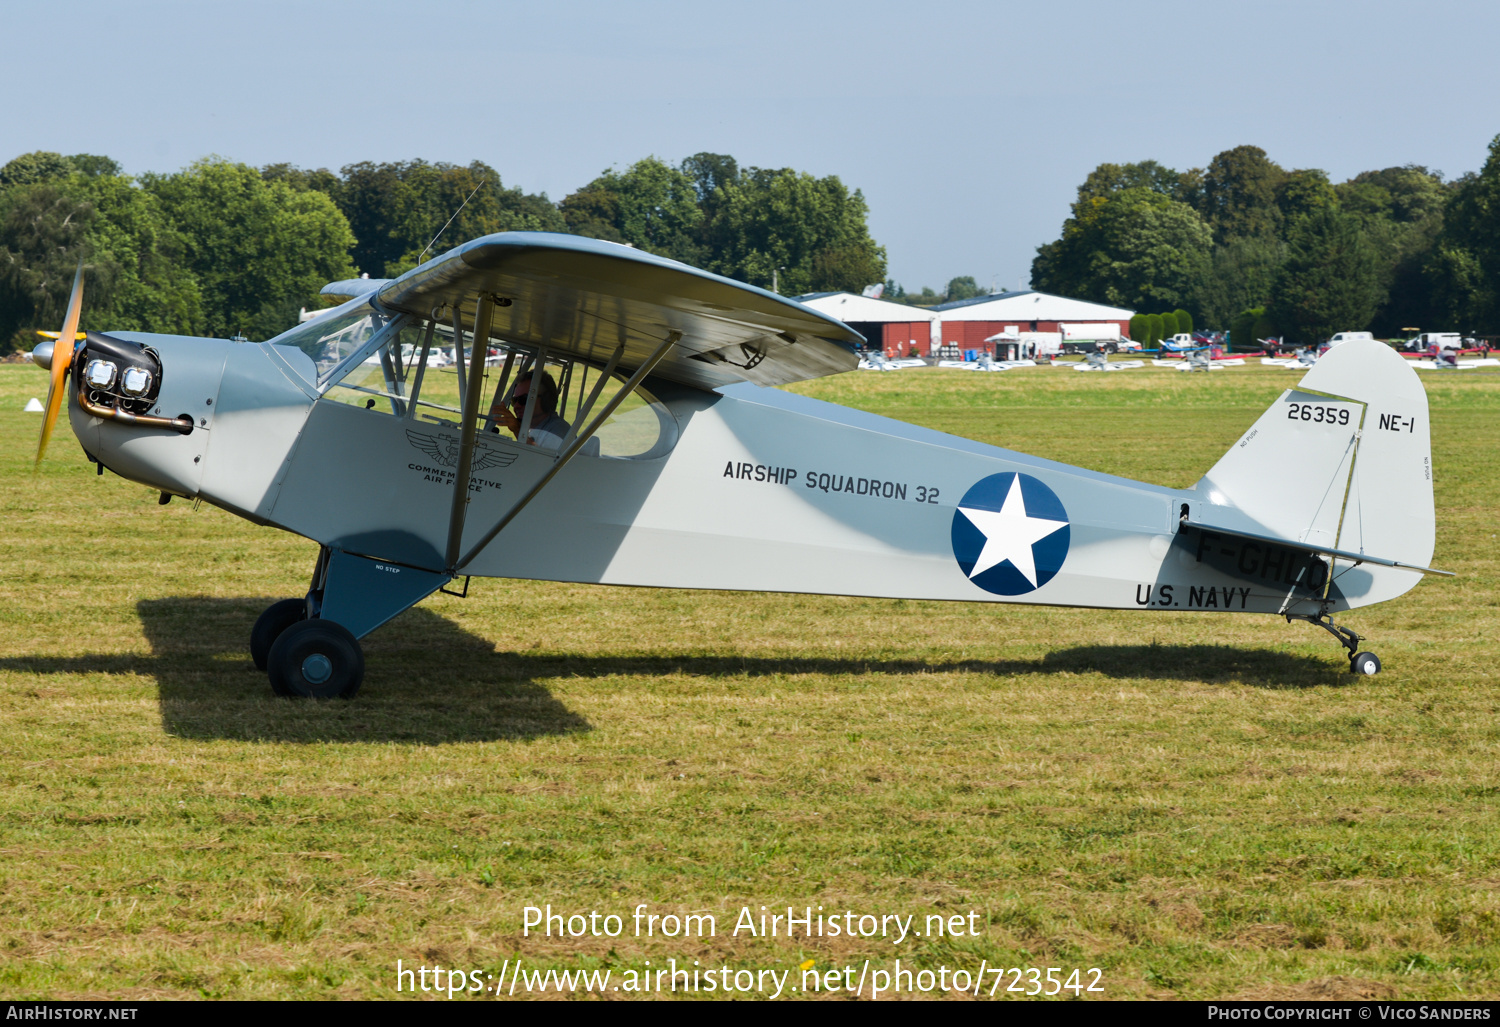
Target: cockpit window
(330,339)
(381,381)
(416,373)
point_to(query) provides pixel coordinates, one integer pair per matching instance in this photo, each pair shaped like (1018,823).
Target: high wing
(583,298)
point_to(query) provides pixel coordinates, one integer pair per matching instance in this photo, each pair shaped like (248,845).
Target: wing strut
(587,405)
(474,386)
(458,347)
(568,452)
(416,385)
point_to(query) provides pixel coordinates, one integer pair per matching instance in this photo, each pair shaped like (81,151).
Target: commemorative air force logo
(1010,534)
(444,450)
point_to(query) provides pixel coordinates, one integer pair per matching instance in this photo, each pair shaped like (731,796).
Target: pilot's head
(546,397)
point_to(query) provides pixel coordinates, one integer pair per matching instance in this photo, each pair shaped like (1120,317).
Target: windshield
(331,338)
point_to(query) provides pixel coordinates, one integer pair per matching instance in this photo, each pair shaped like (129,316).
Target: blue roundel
(1010,534)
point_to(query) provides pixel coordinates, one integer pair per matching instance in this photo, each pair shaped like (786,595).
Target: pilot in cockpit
(548,429)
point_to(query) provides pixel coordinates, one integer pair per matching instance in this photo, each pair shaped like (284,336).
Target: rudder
(1342,460)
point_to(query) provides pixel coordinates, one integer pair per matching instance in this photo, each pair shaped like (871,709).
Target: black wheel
(1365,663)
(316,659)
(269,626)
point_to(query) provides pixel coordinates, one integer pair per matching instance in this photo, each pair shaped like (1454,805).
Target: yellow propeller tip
(77,336)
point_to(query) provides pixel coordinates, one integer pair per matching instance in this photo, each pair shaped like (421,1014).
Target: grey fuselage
(751,488)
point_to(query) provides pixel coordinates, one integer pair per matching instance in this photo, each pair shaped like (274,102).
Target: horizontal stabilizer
(1312,547)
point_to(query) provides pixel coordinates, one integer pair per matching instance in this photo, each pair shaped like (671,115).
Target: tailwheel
(269,626)
(1359,663)
(316,659)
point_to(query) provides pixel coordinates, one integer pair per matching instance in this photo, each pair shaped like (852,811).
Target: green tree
(92,165)
(964,288)
(1155,330)
(1461,268)
(710,173)
(593,211)
(650,205)
(1136,248)
(43,237)
(1107,179)
(35,168)
(46,166)
(1456,295)
(1402,211)
(1407,194)
(1239,194)
(1241,331)
(322,180)
(258,249)
(812,231)
(1264,327)
(1249,327)
(1184,320)
(1304,192)
(1138,328)
(139,281)
(1331,280)
(1239,276)
(398,210)
(131,254)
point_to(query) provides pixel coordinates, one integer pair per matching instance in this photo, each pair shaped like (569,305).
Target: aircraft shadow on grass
(429,682)
(435,683)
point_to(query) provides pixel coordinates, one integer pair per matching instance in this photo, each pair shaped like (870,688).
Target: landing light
(100,374)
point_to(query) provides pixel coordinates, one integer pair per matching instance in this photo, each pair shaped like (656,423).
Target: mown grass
(1201,805)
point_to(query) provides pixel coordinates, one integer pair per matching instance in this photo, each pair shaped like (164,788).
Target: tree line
(221,248)
(1248,245)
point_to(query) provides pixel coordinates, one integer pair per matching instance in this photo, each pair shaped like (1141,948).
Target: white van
(1348,337)
(1434,340)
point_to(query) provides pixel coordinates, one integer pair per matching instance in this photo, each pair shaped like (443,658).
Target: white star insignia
(1010,534)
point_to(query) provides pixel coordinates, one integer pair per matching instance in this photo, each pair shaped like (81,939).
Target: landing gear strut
(1359,663)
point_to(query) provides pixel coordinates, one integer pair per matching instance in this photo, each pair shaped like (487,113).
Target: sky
(967,125)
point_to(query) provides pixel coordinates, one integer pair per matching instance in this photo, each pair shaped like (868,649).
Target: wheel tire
(316,659)
(1365,663)
(269,626)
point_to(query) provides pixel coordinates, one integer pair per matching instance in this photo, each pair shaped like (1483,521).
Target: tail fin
(1343,460)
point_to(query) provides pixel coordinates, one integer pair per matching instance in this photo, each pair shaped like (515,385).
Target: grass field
(1199,805)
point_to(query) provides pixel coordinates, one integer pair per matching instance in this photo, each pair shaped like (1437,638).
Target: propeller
(62,359)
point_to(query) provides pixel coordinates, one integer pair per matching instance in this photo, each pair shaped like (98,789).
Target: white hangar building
(892,327)
(1032,319)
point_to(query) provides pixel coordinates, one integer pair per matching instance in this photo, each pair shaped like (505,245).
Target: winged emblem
(444,450)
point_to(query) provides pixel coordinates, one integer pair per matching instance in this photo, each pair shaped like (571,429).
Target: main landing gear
(1359,663)
(310,647)
(311,659)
